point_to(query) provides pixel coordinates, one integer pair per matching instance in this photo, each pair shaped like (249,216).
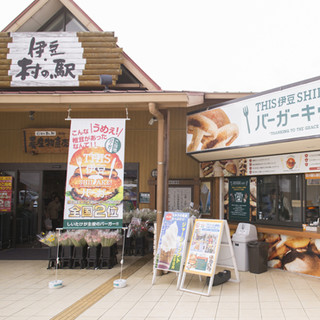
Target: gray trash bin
(258,256)
(245,233)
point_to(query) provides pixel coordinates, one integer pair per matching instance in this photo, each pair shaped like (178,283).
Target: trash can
(245,233)
(258,256)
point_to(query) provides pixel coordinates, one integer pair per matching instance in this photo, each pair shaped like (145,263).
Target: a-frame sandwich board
(208,237)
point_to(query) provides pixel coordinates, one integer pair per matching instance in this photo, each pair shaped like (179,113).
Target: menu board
(239,199)
(304,162)
(179,198)
(204,247)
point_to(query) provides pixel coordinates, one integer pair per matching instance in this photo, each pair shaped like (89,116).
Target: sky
(210,45)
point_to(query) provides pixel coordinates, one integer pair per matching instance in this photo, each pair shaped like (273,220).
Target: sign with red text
(94,186)
(5,193)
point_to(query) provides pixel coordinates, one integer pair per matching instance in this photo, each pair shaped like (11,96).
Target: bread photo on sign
(210,129)
(96,177)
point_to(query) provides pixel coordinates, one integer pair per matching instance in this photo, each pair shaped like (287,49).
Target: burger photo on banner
(94,185)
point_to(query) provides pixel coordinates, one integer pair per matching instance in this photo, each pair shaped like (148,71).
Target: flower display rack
(140,246)
(66,256)
(52,257)
(93,256)
(108,256)
(79,257)
(129,246)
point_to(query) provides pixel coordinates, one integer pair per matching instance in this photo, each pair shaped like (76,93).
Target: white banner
(94,185)
(282,114)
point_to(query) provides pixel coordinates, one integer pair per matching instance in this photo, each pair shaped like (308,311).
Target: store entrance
(35,190)
(54,183)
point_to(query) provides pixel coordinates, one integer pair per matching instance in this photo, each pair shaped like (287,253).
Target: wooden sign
(58,59)
(54,140)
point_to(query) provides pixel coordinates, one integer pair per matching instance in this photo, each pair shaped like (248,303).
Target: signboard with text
(239,199)
(46,140)
(5,193)
(173,237)
(59,59)
(204,247)
(304,162)
(285,113)
(94,185)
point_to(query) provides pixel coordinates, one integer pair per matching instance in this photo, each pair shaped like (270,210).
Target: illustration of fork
(246,113)
(79,162)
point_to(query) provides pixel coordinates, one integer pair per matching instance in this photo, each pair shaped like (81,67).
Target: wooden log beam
(104,61)
(104,71)
(98,39)
(95,34)
(97,44)
(103,55)
(105,50)
(102,66)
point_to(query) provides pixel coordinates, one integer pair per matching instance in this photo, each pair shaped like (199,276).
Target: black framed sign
(239,199)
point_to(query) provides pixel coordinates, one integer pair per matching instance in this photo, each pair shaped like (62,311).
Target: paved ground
(89,294)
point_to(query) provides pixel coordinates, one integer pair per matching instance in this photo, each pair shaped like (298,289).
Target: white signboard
(283,114)
(179,198)
(45,58)
(304,162)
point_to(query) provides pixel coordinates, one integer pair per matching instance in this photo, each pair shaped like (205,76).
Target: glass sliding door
(28,215)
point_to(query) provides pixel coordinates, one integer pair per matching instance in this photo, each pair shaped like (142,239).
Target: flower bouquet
(145,214)
(78,238)
(50,239)
(92,238)
(65,239)
(137,228)
(108,237)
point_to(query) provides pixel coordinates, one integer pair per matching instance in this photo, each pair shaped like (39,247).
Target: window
(63,20)
(312,200)
(280,200)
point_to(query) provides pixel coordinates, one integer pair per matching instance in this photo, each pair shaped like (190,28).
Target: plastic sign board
(94,185)
(5,193)
(208,237)
(172,242)
(204,246)
(282,114)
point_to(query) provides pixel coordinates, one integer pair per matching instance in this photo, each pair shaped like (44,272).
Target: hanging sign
(94,185)
(5,193)
(239,199)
